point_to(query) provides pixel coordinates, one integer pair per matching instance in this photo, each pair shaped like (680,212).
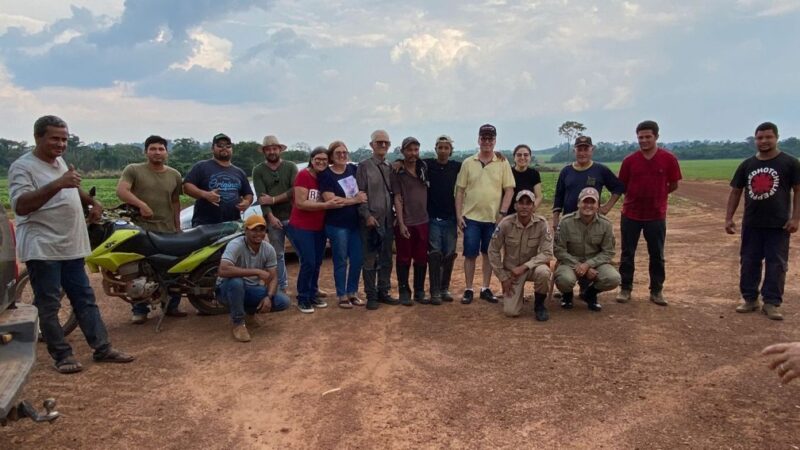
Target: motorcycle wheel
(23,294)
(206,277)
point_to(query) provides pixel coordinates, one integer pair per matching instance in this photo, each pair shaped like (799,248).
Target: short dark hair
(154,139)
(648,125)
(41,124)
(317,151)
(766,126)
(521,146)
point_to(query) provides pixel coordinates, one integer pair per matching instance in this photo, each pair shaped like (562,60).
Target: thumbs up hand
(70,179)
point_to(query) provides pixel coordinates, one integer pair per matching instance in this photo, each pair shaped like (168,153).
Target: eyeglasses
(223,145)
(487,138)
(383,143)
(320,160)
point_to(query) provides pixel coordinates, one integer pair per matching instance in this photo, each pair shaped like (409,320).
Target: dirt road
(633,376)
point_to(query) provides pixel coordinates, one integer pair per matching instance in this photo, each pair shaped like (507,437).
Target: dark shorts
(476,237)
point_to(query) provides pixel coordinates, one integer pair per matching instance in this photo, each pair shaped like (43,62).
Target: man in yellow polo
(484,188)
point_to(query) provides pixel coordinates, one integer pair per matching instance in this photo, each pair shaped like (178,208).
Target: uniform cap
(526,193)
(589,192)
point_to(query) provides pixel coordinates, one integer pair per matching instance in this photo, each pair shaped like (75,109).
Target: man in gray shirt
(378,219)
(248,281)
(52,241)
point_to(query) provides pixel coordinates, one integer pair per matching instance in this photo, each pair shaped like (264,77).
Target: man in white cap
(584,249)
(527,248)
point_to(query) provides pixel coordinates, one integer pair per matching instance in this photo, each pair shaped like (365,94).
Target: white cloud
(29,24)
(432,54)
(770,8)
(621,97)
(210,52)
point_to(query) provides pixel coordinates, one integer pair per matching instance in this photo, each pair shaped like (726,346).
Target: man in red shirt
(649,175)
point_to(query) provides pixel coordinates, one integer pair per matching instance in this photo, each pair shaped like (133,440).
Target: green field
(696,169)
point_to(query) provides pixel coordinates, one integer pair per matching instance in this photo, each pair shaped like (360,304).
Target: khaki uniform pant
(607,278)
(540,275)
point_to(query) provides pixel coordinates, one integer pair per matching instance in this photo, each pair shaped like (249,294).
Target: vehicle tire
(205,276)
(23,294)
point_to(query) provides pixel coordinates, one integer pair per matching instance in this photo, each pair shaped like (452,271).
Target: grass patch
(695,169)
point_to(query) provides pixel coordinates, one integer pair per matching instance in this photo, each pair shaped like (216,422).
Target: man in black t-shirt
(771,181)
(442,232)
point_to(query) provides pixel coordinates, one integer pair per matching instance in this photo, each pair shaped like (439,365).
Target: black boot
(539,310)
(419,284)
(447,271)
(402,284)
(435,277)
(590,297)
(369,288)
(566,300)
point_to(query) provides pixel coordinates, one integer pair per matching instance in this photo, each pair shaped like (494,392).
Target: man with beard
(772,179)
(520,251)
(221,189)
(442,231)
(584,249)
(410,187)
(273,180)
(155,189)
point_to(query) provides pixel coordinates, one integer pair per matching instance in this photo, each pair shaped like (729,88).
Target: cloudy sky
(315,71)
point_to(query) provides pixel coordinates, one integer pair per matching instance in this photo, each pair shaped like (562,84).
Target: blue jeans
(442,235)
(476,237)
(345,245)
(47,280)
(770,246)
(310,248)
(144,308)
(655,233)
(241,298)
(277,238)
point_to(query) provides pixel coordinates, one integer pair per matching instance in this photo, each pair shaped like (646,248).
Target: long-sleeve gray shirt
(373,177)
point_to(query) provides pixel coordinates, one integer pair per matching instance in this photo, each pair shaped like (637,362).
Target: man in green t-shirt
(155,189)
(273,180)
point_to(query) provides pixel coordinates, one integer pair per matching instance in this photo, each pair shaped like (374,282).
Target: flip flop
(113,356)
(68,365)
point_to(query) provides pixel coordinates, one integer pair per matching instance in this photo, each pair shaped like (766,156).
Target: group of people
(414,205)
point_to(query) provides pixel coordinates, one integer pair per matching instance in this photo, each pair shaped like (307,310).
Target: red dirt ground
(633,376)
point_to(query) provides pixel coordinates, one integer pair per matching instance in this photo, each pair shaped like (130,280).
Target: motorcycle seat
(181,244)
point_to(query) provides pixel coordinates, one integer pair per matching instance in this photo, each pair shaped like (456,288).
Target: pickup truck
(19,332)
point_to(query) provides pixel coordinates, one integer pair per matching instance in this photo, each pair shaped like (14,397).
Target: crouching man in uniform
(527,248)
(248,278)
(584,249)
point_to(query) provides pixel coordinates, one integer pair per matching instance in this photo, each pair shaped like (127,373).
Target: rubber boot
(435,277)
(419,284)
(539,310)
(444,282)
(566,300)
(402,284)
(590,297)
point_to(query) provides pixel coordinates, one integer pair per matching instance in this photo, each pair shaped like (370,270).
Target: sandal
(344,303)
(355,301)
(68,365)
(113,356)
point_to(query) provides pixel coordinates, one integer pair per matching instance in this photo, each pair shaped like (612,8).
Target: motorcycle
(141,266)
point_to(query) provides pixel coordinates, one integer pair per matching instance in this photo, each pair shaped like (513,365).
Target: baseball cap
(220,137)
(583,140)
(487,130)
(589,192)
(444,138)
(256,220)
(526,193)
(408,141)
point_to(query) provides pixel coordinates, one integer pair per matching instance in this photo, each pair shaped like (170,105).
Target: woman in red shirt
(306,229)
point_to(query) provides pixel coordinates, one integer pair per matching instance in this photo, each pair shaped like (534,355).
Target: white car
(255,208)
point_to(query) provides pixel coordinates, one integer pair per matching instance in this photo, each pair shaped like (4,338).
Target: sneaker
(436,300)
(253,321)
(372,304)
(420,298)
(747,306)
(447,296)
(138,318)
(596,307)
(388,299)
(566,300)
(467,298)
(305,307)
(317,303)
(487,295)
(771,311)
(240,333)
(658,298)
(624,296)
(321,293)
(541,314)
